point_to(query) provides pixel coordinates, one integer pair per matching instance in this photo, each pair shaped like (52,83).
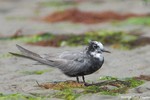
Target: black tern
(73,64)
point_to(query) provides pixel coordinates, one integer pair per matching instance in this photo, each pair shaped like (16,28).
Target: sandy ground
(118,64)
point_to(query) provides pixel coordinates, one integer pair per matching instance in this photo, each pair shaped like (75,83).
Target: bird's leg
(77,79)
(83,79)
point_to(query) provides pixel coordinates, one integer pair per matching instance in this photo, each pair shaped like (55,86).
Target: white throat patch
(97,55)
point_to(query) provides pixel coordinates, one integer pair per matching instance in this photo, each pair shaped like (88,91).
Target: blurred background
(120,23)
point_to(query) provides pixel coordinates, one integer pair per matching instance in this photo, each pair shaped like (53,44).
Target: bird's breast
(95,64)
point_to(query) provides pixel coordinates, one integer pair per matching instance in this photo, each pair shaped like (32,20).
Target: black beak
(106,51)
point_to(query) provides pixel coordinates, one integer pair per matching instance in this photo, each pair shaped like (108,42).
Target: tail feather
(27,52)
(19,55)
(30,55)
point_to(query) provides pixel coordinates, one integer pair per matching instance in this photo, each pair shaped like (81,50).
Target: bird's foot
(89,84)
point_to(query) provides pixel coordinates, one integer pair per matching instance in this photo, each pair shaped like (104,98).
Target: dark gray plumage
(73,64)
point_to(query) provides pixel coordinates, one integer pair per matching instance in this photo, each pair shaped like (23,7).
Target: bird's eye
(95,46)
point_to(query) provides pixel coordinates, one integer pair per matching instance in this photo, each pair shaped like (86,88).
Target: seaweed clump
(119,39)
(70,90)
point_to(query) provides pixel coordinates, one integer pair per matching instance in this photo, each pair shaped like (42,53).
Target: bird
(71,63)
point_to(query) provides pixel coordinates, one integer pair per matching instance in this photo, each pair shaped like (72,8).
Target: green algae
(34,38)
(145,21)
(18,96)
(138,21)
(56,4)
(117,86)
(36,72)
(6,55)
(67,94)
(108,78)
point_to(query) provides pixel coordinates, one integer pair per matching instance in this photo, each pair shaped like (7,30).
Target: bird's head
(96,47)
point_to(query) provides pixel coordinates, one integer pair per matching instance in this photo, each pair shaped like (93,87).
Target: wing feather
(69,67)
